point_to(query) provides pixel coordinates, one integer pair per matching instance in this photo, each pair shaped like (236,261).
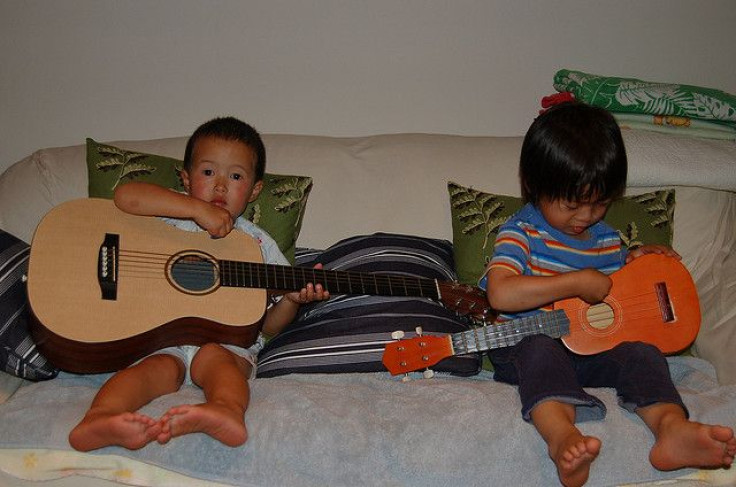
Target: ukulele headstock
(421,352)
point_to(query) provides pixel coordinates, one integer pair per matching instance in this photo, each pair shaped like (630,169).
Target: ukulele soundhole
(193,272)
(600,316)
(602,319)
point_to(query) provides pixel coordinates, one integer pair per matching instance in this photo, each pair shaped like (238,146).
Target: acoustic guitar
(107,288)
(653,299)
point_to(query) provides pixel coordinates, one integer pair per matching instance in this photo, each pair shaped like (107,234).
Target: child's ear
(524,188)
(256,191)
(184,179)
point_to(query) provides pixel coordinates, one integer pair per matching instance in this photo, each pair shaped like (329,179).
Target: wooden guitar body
(80,331)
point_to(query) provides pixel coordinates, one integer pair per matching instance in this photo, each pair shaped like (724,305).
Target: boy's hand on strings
(593,285)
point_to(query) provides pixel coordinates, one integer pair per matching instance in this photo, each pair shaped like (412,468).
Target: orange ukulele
(107,288)
(653,299)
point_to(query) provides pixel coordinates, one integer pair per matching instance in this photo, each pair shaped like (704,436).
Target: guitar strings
(142,264)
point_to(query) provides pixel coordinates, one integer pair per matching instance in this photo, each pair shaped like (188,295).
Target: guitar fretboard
(555,324)
(286,278)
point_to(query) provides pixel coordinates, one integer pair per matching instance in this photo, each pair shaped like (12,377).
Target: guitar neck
(285,278)
(554,324)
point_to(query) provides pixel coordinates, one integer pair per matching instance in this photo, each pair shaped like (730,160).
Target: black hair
(229,128)
(573,152)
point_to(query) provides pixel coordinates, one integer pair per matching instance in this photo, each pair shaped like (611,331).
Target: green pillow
(476,217)
(279,208)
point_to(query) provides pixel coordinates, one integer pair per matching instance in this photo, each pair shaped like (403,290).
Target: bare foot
(219,422)
(129,430)
(573,458)
(686,443)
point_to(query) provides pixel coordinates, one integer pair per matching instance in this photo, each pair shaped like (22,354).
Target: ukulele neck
(488,337)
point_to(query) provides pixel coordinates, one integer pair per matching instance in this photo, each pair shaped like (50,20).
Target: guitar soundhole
(193,272)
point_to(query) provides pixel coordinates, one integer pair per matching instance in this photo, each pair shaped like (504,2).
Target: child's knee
(211,353)
(642,353)
(167,367)
(214,355)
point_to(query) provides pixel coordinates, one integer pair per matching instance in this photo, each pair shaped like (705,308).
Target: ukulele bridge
(107,266)
(665,305)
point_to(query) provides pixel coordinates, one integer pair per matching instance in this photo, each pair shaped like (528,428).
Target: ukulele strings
(643,307)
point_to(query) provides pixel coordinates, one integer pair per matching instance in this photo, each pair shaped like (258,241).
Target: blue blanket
(373,429)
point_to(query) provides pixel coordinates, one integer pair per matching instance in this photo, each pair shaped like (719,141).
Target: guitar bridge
(107,266)
(665,305)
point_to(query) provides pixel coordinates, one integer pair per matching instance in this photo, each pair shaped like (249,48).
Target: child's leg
(552,398)
(683,443)
(223,377)
(570,450)
(112,418)
(640,374)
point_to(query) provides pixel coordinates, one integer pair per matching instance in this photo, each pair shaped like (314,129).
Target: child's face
(223,173)
(573,218)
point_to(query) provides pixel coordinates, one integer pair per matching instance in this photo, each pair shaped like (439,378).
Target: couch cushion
(646,218)
(18,353)
(348,333)
(279,208)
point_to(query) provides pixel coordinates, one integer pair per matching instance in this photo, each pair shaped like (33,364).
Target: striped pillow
(348,332)
(18,353)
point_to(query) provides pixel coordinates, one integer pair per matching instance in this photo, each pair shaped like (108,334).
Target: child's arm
(512,292)
(284,312)
(148,199)
(652,249)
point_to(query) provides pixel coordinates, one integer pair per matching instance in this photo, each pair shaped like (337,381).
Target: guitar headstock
(466,300)
(403,356)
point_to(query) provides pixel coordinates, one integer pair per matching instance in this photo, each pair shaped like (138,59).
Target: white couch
(398,183)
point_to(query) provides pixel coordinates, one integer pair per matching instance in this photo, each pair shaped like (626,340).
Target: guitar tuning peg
(428,373)
(397,335)
(419,330)
(406,378)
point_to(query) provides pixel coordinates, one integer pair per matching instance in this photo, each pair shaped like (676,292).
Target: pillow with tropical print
(476,217)
(279,208)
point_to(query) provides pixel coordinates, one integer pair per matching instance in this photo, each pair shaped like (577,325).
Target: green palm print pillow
(476,217)
(279,208)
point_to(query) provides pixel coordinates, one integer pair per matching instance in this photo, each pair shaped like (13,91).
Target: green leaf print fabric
(631,95)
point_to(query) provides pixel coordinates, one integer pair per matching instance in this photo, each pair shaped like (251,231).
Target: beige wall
(143,69)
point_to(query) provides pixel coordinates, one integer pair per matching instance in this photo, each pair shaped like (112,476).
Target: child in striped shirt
(573,164)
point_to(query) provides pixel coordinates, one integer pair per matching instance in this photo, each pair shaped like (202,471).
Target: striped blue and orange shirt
(526,244)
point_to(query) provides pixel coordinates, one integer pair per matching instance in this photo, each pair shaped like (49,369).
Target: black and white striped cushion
(348,333)
(18,353)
